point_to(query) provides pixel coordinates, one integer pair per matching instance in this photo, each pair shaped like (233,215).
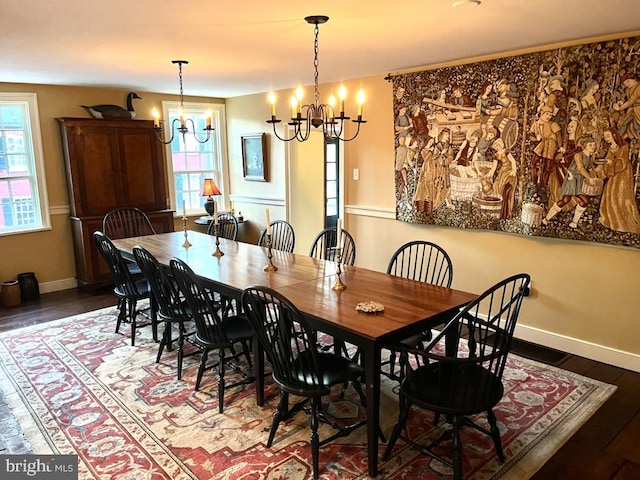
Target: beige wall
(49,254)
(584,296)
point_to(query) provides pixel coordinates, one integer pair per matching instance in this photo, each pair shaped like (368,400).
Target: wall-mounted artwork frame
(254,157)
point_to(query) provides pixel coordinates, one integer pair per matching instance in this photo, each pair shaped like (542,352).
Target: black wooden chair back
(289,343)
(459,373)
(282,236)
(171,308)
(215,329)
(126,223)
(227,226)
(324,246)
(163,287)
(124,283)
(205,310)
(423,261)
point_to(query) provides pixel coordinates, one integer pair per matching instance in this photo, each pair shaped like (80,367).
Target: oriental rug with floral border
(76,387)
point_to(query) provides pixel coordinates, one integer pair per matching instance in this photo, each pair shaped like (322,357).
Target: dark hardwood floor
(606,447)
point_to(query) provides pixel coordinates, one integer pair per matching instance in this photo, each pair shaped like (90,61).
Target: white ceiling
(238,47)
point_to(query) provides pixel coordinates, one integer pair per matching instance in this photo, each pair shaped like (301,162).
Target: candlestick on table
(269,267)
(186,243)
(218,252)
(338,285)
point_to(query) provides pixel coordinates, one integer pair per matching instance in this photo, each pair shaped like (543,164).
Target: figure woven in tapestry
(543,144)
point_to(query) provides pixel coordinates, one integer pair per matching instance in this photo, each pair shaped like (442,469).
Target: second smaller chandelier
(317,114)
(183,127)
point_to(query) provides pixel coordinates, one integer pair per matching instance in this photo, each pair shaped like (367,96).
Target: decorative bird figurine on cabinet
(114,111)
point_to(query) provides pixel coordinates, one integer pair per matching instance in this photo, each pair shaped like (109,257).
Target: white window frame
(34,152)
(219,136)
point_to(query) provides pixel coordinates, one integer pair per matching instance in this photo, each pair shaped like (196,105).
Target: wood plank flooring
(605,448)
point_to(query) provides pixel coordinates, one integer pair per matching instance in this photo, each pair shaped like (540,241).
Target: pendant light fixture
(182,122)
(317,115)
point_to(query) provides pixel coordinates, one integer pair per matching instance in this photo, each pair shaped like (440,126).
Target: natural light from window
(191,162)
(22,185)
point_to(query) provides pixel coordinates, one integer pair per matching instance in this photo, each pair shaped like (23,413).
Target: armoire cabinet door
(112,164)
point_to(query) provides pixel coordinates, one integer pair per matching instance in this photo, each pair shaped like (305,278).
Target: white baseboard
(57,285)
(599,353)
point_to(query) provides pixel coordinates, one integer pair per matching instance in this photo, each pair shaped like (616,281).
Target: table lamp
(209,189)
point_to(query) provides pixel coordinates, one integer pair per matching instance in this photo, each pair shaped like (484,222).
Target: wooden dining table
(410,307)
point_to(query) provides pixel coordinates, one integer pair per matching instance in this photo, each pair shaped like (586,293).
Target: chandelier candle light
(317,114)
(183,128)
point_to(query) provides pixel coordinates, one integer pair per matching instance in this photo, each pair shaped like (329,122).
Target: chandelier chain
(316,62)
(180,80)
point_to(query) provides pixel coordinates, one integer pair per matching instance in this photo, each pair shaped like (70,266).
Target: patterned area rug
(78,388)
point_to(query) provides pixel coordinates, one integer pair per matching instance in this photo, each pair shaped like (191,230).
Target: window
(23,204)
(331,189)
(191,161)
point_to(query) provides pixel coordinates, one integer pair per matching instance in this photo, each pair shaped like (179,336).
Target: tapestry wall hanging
(542,144)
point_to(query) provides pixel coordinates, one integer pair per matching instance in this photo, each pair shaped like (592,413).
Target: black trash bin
(29,288)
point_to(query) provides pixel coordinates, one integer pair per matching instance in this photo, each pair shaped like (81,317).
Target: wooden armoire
(110,164)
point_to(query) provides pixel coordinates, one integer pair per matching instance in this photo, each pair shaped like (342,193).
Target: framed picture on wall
(254,157)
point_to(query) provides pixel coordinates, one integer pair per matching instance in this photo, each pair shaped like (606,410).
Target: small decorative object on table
(370,307)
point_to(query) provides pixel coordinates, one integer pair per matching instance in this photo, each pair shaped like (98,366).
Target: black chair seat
(235,327)
(142,289)
(333,369)
(453,389)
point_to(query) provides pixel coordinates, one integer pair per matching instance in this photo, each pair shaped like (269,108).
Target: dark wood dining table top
(405,302)
(241,265)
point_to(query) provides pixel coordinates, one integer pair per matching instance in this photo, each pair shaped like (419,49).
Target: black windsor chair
(127,223)
(171,308)
(282,236)
(227,226)
(459,373)
(298,367)
(128,290)
(425,262)
(324,246)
